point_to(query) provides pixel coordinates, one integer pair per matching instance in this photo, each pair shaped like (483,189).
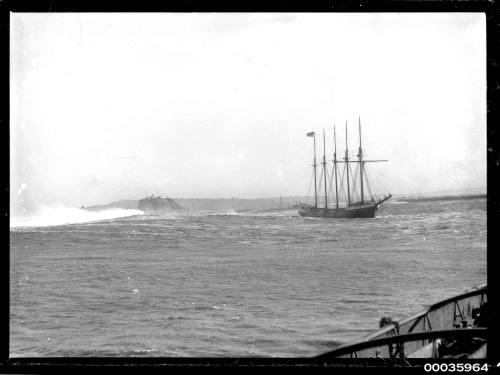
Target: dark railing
(440,316)
(458,333)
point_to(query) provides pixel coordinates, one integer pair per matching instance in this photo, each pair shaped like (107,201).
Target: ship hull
(352,212)
(158,205)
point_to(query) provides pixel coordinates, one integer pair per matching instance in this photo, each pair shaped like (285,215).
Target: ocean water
(251,284)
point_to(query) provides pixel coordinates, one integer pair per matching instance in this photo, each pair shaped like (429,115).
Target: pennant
(311,134)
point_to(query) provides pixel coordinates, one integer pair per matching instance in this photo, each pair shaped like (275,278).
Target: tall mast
(315,186)
(324,169)
(347,167)
(335,166)
(313,134)
(361,165)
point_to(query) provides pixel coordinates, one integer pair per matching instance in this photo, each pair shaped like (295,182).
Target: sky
(191,105)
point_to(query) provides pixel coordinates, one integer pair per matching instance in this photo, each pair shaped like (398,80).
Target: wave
(60,215)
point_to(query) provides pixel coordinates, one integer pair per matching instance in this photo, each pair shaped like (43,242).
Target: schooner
(366,207)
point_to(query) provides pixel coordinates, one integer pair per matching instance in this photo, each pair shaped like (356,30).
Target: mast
(313,134)
(346,158)
(361,165)
(335,166)
(324,169)
(315,186)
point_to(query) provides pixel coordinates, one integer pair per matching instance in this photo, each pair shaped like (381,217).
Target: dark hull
(363,211)
(158,205)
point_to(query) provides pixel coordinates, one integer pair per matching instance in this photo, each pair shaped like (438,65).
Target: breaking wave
(60,215)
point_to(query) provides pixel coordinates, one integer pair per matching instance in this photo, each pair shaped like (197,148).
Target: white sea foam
(59,215)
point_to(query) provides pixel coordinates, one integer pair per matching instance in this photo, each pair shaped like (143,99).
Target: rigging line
(347,188)
(320,187)
(375,185)
(309,189)
(326,178)
(354,183)
(370,184)
(330,185)
(333,183)
(341,183)
(358,193)
(342,193)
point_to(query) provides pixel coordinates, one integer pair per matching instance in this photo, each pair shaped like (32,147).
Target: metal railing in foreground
(396,344)
(465,310)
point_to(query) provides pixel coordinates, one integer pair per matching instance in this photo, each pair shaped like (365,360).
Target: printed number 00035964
(456,367)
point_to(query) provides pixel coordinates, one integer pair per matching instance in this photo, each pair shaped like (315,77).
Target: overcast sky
(118,106)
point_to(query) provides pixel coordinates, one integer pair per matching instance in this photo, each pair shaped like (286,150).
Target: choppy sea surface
(236,284)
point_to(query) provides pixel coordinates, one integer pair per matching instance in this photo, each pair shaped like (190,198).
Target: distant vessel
(362,208)
(158,204)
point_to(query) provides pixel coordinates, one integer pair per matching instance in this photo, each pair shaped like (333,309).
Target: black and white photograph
(248,185)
